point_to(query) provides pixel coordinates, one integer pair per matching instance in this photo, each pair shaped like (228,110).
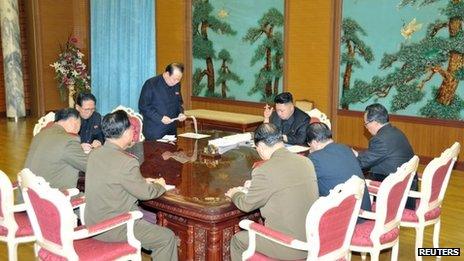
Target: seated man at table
(283,188)
(90,131)
(56,153)
(334,163)
(388,148)
(113,186)
(290,120)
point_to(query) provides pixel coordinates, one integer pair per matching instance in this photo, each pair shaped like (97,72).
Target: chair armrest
(414,194)
(71,192)
(273,235)
(108,224)
(367,214)
(77,202)
(19,207)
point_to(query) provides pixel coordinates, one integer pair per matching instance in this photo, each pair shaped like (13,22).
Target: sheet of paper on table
(227,143)
(192,135)
(167,138)
(169,187)
(297,148)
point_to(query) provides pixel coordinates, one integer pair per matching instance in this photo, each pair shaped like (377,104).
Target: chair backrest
(435,179)
(304,105)
(7,219)
(331,221)
(318,116)
(391,198)
(44,122)
(136,120)
(51,215)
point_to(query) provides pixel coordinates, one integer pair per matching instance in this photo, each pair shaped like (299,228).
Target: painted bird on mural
(408,30)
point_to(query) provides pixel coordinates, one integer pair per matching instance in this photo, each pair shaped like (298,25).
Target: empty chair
(329,225)
(381,230)
(435,180)
(57,234)
(15,227)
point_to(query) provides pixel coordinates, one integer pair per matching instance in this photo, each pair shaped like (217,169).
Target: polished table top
(200,180)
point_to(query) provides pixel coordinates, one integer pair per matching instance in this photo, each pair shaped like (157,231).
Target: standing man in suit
(56,153)
(90,131)
(388,148)
(290,120)
(114,185)
(283,189)
(324,152)
(160,103)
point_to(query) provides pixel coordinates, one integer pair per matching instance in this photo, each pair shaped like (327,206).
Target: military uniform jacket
(284,189)
(294,127)
(113,184)
(157,99)
(57,156)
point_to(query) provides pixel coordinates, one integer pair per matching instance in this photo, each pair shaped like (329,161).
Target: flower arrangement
(71,72)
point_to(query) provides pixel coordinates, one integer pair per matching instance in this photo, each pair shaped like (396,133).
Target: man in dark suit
(160,103)
(283,188)
(324,153)
(388,149)
(90,132)
(290,120)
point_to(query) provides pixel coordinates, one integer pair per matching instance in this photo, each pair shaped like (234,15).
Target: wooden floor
(15,138)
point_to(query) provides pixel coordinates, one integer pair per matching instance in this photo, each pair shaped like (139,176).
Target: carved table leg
(214,245)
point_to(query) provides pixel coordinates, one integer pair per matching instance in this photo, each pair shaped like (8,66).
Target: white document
(167,138)
(227,143)
(169,187)
(297,148)
(192,135)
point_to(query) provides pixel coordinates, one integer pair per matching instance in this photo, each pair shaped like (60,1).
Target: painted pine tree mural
(354,46)
(204,21)
(225,74)
(270,50)
(440,53)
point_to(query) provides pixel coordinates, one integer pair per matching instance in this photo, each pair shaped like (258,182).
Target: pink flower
(73,40)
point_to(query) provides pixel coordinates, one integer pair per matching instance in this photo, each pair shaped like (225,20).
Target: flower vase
(71,93)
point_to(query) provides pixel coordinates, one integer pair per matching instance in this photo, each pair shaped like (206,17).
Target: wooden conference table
(197,210)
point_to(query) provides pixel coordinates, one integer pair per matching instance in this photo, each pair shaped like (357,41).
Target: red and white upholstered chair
(15,227)
(329,226)
(435,180)
(136,120)
(26,175)
(44,122)
(59,237)
(381,229)
(318,116)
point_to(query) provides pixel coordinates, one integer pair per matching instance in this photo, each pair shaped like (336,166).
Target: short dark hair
(114,124)
(170,68)
(66,113)
(267,133)
(318,131)
(377,112)
(85,96)
(283,98)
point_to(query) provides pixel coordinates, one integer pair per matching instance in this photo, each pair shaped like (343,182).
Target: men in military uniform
(56,153)
(114,184)
(160,103)
(283,188)
(90,131)
(290,120)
